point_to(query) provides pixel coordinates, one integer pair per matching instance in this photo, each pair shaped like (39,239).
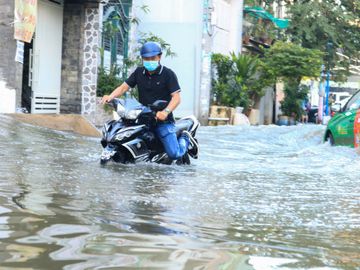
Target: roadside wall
(10,71)
(71,93)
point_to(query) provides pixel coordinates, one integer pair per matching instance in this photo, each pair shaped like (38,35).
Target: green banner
(259,12)
(25,19)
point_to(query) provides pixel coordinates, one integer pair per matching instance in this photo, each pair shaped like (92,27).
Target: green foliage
(316,23)
(238,80)
(293,61)
(295,94)
(136,20)
(108,81)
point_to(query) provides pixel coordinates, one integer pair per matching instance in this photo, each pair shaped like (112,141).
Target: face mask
(151,65)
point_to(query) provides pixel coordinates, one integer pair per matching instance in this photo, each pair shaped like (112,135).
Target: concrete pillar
(205,72)
(90,62)
(269,106)
(280,95)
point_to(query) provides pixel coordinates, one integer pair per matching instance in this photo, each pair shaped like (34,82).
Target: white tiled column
(90,64)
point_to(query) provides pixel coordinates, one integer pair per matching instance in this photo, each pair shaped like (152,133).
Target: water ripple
(262,197)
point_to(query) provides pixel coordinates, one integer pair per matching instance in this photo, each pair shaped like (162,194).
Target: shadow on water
(258,198)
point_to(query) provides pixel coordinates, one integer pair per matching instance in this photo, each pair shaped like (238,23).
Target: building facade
(58,73)
(60,65)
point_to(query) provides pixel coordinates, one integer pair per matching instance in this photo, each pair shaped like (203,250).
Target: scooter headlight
(133,114)
(120,110)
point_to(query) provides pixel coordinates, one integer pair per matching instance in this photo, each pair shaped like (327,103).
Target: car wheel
(331,139)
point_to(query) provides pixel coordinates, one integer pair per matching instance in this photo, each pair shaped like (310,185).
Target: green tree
(290,62)
(108,80)
(285,59)
(315,24)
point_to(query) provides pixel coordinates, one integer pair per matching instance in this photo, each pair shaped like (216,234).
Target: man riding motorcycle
(157,82)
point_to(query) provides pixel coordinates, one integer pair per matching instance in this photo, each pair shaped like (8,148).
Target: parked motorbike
(130,137)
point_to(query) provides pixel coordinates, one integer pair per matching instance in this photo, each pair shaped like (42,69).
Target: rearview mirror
(114,102)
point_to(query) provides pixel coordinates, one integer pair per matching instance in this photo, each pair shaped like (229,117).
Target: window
(354,102)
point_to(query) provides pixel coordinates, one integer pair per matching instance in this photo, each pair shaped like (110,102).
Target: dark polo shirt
(157,86)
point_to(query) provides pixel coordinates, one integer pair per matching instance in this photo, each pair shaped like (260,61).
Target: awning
(259,12)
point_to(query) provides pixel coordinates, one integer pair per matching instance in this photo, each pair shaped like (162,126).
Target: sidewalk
(63,122)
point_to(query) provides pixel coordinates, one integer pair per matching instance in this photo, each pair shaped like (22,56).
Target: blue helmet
(150,49)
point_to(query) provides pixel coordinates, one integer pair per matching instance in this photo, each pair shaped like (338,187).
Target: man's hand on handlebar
(106,99)
(162,115)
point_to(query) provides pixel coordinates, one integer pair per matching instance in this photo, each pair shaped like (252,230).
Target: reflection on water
(258,198)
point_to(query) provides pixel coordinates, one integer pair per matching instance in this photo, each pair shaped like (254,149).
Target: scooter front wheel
(103,162)
(107,155)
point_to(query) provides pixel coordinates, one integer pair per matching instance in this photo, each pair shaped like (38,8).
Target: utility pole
(205,74)
(321,96)
(327,87)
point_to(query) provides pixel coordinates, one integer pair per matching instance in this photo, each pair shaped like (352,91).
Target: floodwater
(260,198)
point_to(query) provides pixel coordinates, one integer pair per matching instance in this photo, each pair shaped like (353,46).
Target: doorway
(47,58)
(26,92)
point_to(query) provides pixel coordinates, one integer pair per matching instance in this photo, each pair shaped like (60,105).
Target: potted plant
(239,80)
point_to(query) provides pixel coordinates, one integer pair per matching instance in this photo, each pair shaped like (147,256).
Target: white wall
(227,28)
(7,99)
(178,22)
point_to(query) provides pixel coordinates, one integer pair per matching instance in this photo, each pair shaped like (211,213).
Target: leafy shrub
(108,80)
(239,80)
(295,94)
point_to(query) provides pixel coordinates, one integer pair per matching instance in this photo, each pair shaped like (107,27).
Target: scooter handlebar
(113,103)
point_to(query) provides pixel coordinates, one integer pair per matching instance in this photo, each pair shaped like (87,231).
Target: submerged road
(262,198)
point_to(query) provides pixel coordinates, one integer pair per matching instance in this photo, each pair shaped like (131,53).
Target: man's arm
(174,102)
(119,91)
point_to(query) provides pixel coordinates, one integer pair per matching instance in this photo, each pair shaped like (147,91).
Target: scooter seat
(183,124)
